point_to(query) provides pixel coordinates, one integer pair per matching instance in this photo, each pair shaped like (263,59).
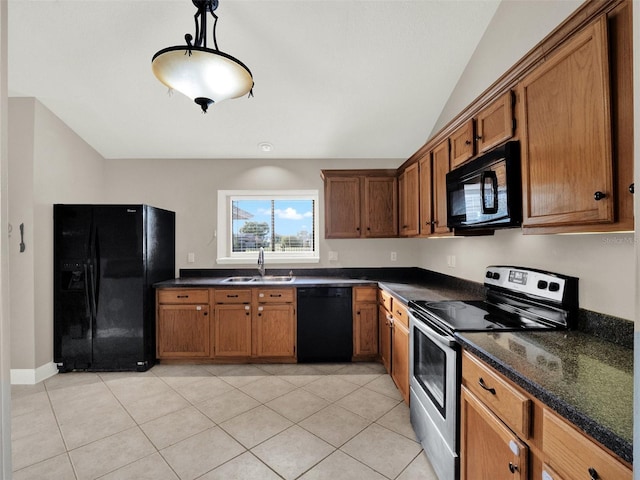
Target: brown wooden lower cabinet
(232,331)
(227,324)
(393,333)
(505,433)
(489,450)
(183,323)
(183,331)
(384,336)
(400,358)
(365,323)
(274,327)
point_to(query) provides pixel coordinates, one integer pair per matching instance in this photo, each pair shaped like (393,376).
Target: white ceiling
(333,78)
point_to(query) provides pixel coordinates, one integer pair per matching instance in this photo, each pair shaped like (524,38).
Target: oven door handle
(434,332)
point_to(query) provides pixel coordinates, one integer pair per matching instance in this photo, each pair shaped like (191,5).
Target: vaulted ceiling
(333,78)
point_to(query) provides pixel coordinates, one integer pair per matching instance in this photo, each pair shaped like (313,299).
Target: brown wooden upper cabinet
(567,161)
(492,126)
(360,203)
(440,159)
(409,188)
(426,202)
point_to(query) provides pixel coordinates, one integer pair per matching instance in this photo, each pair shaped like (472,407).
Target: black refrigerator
(106,260)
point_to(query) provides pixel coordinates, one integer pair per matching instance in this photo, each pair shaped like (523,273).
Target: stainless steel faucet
(261,261)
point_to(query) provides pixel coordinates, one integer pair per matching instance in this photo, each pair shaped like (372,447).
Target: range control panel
(531,282)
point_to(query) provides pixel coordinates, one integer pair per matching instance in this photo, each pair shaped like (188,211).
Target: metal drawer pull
(275,295)
(183,296)
(232,296)
(513,468)
(492,391)
(594,474)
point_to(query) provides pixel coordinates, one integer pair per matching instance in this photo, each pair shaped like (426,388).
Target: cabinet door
(409,201)
(365,330)
(567,158)
(574,456)
(380,207)
(342,207)
(384,335)
(426,215)
(275,330)
(439,186)
(494,124)
(462,144)
(232,331)
(488,449)
(400,358)
(183,331)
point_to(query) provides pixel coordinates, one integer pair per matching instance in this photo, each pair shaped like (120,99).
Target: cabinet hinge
(514,124)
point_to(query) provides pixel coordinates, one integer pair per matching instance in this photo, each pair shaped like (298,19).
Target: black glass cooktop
(474,316)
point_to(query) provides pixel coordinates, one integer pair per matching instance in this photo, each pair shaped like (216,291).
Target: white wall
(190,187)
(516,27)
(48,163)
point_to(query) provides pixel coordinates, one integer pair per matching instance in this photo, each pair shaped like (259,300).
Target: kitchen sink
(276,279)
(239,279)
(258,279)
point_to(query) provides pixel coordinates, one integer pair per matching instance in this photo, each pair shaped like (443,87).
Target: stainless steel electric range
(516,298)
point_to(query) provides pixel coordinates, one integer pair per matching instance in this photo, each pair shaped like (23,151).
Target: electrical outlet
(333,256)
(394,256)
(191,257)
(451,261)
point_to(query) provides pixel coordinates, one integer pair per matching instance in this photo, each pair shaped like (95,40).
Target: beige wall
(190,187)
(48,163)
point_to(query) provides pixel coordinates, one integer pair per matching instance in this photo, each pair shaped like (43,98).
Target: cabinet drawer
(400,313)
(275,295)
(573,455)
(504,400)
(183,295)
(364,294)
(232,295)
(386,300)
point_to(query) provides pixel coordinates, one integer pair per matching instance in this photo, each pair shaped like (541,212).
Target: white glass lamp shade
(205,74)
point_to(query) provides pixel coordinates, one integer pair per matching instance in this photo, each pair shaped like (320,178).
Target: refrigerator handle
(86,290)
(92,281)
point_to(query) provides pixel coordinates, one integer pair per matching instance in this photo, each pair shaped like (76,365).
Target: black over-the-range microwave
(486,193)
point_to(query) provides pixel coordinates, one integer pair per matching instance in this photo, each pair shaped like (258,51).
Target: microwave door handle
(492,194)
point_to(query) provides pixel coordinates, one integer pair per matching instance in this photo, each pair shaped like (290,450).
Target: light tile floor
(217,422)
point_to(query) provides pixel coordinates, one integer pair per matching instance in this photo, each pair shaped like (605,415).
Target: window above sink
(283,222)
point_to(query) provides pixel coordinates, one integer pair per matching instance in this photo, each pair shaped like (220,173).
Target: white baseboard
(28,376)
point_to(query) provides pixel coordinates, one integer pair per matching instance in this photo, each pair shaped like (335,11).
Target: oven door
(435,389)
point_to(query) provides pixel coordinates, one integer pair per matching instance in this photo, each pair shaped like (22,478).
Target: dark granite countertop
(298,281)
(404,283)
(587,380)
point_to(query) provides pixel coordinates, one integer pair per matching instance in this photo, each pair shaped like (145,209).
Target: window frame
(224,233)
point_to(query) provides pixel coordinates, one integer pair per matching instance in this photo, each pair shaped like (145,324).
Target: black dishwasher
(325,324)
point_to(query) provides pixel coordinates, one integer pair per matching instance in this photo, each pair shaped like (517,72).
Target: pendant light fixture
(205,75)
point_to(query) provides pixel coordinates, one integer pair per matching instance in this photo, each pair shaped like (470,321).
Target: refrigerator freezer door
(73,325)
